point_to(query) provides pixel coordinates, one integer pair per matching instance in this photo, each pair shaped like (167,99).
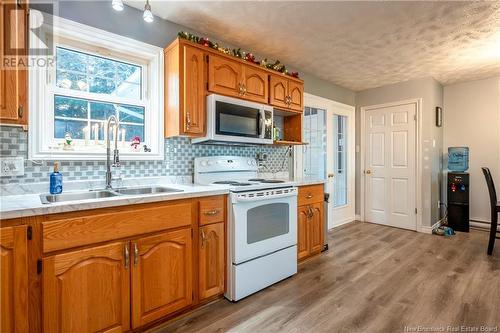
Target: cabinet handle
(127,256)
(212,212)
(203,238)
(188,121)
(136,254)
(310,212)
(309,196)
(20,111)
(240,89)
(244,89)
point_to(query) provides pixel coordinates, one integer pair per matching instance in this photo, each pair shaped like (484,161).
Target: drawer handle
(212,212)
(127,256)
(136,254)
(309,196)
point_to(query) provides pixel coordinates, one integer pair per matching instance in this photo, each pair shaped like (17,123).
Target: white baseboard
(357,217)
(350,220)
(428,230)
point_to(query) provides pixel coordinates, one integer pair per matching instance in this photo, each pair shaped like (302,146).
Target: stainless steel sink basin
(146,190)
(75,196)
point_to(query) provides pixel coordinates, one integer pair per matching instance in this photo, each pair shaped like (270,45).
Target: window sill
(97,156)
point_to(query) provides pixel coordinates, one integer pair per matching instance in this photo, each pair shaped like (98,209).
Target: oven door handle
(261,118)
(257,198)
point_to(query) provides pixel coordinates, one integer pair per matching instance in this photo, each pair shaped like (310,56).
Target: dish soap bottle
(56,181)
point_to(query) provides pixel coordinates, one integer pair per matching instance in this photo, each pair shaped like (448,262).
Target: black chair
(495,209)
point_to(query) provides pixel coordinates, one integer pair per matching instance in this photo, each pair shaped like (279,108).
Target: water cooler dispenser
(458,188)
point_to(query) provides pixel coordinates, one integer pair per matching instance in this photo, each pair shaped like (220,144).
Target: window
(95,75)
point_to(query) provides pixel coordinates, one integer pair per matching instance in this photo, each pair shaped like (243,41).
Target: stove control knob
(249,162)
(203,163)
(253,162)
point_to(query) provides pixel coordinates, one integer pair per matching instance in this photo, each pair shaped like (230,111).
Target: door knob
(368,172)
(331,175)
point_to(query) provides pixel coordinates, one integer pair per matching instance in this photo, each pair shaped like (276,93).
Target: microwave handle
(262,117)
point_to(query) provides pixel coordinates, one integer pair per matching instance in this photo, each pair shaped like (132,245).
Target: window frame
(42,90)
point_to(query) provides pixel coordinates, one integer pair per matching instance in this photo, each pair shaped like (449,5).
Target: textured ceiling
(357,45)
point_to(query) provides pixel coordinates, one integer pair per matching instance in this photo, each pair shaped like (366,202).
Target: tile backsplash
(178,161)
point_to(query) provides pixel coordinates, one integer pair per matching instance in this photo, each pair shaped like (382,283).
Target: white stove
(262,223)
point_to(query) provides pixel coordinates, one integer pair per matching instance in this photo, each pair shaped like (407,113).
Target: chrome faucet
(116,153)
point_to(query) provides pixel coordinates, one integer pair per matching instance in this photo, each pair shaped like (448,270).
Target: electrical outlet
(12,166)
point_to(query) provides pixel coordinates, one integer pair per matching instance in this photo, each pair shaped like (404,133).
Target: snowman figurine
(136,144)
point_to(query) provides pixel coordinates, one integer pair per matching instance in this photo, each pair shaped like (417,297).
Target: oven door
(263,224)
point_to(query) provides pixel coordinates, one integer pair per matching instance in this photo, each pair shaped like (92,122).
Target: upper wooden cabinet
(13,79)
(162,277)
(211,260)
(14,280)
(185,78)
(87,290)
(232,78)
(286,93)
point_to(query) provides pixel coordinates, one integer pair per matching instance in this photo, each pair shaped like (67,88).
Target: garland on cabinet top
(276,66)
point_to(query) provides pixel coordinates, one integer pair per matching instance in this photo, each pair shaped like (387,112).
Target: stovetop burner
(256,179)
(272,181)
(241,184)
(226,182)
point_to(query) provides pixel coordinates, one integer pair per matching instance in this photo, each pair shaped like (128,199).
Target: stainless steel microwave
(231,120)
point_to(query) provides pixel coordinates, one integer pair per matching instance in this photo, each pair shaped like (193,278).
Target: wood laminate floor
(373,279)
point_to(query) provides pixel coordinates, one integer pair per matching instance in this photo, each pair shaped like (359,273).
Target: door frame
(330,106)
(418,154)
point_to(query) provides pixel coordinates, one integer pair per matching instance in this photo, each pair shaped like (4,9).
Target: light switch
(12,166)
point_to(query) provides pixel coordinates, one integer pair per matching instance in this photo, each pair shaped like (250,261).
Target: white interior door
(329,130)
(341,163)
(390,165)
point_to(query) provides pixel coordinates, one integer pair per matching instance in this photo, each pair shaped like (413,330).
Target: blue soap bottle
(56,181)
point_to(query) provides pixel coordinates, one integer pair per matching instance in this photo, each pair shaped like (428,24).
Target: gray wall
(129,23)
(431,93)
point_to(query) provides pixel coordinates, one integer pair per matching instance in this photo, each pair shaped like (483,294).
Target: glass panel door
(314,160)
(340,160)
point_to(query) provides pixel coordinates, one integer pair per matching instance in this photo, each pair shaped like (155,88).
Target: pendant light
(117,5)
(148,15)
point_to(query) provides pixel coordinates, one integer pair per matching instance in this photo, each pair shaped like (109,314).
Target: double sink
(98,194)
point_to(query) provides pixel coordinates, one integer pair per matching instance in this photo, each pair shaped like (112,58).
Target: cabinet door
(87,290)
(211,260)
(302,232)
(161,275)
(278,91)
(13,79)
(255,84)
(224,76)
(316,228)
(14,280)
(194,92)
(296,95)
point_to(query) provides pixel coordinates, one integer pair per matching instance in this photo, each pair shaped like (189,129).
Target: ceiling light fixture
(148,15)
(117,5)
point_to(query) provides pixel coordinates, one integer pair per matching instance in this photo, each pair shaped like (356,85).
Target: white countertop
(24,205)
(14,206)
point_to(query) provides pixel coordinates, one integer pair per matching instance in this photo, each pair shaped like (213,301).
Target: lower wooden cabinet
(161,275)
(87,290)
(310,230)
(13,279)
(211,260)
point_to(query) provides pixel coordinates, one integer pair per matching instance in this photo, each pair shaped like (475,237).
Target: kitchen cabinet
(87,290)
(185,92)
(310,221)
(161,275)
(232,78)
(14,279)
(13,78)
(211,260)
(286,93)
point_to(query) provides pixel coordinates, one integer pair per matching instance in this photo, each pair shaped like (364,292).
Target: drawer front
(73,232)
(310,194)
(212,210)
